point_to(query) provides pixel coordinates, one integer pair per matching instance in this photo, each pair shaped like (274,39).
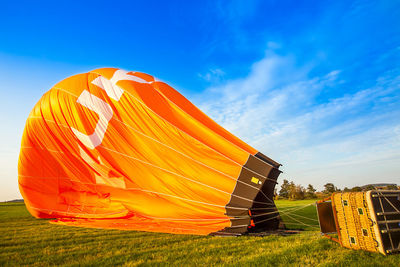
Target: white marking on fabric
(104,177)
(105,113)
(122,75)
(113,91)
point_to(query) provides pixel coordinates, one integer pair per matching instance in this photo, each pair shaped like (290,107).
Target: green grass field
(28,241)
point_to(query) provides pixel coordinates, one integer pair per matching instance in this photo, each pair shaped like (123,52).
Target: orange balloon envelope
(123,150)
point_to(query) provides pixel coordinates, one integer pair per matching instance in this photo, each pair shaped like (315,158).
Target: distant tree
(346,189)
(369,187)
(320,195)
(310,192)
(291,190)
(276,194)
(330,188)
(356,189)
(284,192)
(296,192)
(300,192)
(392,187)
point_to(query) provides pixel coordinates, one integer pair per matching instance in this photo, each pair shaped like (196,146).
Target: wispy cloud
(352,138)
(214,75)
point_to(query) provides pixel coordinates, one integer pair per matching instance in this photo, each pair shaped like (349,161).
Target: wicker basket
(362,220)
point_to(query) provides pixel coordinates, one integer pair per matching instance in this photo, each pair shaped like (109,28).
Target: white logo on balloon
(102,108)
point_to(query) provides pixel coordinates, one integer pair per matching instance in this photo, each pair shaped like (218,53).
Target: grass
(28,241)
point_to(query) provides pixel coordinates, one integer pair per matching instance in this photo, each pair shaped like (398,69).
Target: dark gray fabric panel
(252,199)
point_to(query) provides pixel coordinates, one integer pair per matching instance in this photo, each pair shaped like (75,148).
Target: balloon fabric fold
(123,150)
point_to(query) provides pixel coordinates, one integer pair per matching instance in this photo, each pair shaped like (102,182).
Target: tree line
(291,191)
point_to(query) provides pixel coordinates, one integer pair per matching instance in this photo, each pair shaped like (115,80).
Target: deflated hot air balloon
(123,150)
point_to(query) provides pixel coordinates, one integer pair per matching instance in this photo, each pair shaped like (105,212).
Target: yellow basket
(362,220)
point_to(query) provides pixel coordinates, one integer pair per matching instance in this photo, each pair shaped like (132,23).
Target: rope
(285,212)
(304,217)
(308,225)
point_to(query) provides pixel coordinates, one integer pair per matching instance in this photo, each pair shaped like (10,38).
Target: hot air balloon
(123,150)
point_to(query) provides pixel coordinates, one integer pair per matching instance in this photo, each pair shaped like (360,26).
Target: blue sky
(313,84)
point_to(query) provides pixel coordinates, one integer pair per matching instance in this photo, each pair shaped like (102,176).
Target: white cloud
(213,75)
(349,139)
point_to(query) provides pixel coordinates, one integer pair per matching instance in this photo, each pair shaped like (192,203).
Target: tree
(284,192)
(296,192)
(392,187)
(291,190)
(330,188)
(346,189)
(276,197)
(310,192)
(369,187)
(356,189)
